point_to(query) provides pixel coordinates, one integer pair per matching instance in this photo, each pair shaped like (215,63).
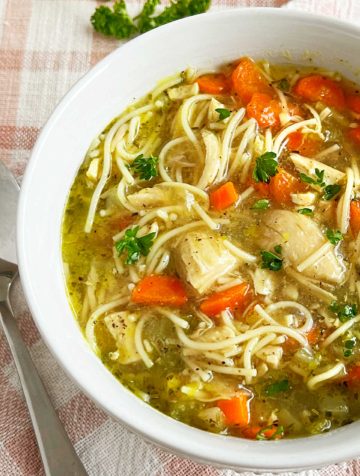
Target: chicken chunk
(309,166)
(201,258)
(300,237)
(122,330)
(151,197)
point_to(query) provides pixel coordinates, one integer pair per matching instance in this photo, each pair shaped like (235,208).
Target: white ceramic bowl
(128,73)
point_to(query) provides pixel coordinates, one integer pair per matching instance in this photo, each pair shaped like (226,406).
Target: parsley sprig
(134,247)
(344,312)
(145,167)
(334,236)
(117,23)
(330,191)
(223,113)
(270,260)
(265,167)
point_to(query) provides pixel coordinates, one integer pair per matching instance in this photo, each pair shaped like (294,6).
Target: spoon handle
(57,453)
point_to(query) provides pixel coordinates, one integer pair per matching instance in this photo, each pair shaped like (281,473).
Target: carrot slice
(213,84)
(235,298)
(247,79)
(251,432)
(354,134)
(353,375)
(224,196)
(353,102)
(307,145)
(355,216)
(236,410)
(159,290)
(264,109)
(295,139)
(319,88)
(282,185)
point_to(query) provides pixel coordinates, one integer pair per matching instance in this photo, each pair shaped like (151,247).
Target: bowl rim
(271,455)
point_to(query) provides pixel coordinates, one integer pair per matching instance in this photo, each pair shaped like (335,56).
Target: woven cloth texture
(45,46)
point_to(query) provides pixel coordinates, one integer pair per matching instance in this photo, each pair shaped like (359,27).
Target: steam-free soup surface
(211,251)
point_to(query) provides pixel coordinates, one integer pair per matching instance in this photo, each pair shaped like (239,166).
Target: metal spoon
(57,453)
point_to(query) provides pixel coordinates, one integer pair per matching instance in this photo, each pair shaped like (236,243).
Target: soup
(210,247)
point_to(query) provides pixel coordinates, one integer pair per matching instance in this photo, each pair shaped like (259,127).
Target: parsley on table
(305,211)
(117,23)
(223,113)
(277,387)
(344,312)
(145,167)
(134,246)
(334,236)
(271,260)
(330,191)
(279,433)
(265,167)
(261,204)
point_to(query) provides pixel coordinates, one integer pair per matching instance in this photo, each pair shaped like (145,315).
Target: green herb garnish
(146,168)
(271,261)
(265,167)
(334,236)
(319,180)
(117,23)
(305,211)
(261,204)
(284,85)
(134,246)
(349,347)
(278,249)
(223,113)
(277,387)
(279,433)
(344,312)
(330,191)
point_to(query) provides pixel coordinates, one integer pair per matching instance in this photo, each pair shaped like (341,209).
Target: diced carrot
(236,410)
(354,134)
(282,185)
(319,88)
(355,216)
(353,375)
(214,84)
(353,102)
(313,335)
(247,79)
(307,145)
(159,290)
(235,298)
(264,109)
(295,139)
(251,432)
(224,196)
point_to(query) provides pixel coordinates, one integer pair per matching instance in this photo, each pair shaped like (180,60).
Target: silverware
(57,453)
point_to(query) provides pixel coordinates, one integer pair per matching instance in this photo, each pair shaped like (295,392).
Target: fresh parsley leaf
(146,168)
(265,167)
(176,10)
(266,434)
(350,344)
(223,113)
(261,204)
(134,246)
(319,180)
(348,353)
(305,211)
(278,249)
(334,236)
(344,312)
(284,85)
(271,261)
(116,22)
(277,387)
(330,191)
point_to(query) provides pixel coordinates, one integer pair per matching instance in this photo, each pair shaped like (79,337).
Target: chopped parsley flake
(261,204)
(277,387)
(146,168)
(305,211)
(271,261)
(223,113)
(334,236)
(344,312)
(134,246)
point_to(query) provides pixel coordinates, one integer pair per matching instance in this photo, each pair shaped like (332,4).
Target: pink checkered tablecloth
(45,46)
